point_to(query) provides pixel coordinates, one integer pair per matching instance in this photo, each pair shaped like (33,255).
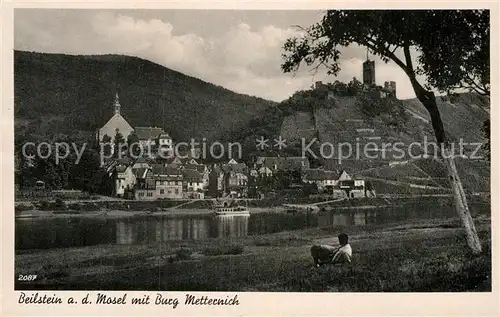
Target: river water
(48,233)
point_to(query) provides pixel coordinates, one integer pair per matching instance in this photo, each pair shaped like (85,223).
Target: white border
(251,304)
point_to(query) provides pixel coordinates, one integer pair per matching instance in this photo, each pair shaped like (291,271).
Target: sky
(239,50)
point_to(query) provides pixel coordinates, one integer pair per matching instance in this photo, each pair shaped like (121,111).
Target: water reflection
(231,226)
(75,232)
(356,218)
(140,231)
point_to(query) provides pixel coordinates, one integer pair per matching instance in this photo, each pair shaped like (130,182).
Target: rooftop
(148,133)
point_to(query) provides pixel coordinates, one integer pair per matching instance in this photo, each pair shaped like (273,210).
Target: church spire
(117,104)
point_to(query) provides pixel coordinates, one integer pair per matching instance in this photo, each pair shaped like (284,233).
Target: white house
(193,185)
(265,171)
(166,147)
(168,182)
(125,179)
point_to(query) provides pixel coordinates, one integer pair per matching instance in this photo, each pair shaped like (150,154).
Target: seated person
(328,254)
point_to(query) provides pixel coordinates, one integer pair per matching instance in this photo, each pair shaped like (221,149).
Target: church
(117,123)
(146,135)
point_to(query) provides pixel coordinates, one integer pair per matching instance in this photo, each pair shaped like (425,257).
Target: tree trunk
(429,101)
(461,203)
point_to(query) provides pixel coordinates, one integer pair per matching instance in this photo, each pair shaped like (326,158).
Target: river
(48,233)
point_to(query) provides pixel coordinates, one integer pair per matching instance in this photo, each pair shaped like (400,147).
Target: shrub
(183,254)
(20,208)
(229,249)
(44,205)
(59,203)
(89,207)
(74,207)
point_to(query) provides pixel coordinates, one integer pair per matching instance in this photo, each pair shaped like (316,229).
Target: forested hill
(67,94)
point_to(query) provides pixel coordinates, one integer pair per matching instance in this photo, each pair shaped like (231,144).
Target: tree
(450,57)
(487,135)
(106,140)
(460,59)
(354,87)
(118,144)
(133,144)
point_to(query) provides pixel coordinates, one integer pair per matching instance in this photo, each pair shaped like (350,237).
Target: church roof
(117,122)
(148,133)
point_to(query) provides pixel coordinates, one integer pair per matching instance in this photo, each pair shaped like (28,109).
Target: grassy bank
(421,256)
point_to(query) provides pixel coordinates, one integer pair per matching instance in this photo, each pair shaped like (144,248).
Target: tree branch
(385,51)
(476,87)
(409,63)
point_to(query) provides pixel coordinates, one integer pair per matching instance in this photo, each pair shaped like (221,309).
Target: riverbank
(202,207)
(417,256)
(38,214)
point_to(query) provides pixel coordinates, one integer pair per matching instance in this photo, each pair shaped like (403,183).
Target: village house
(320,177)
(265,171)
(149,137)
(165,145)
(202,169)
(145,187)
(192,184)
(125,180)
(216,181)
(336,183)
(228,179)
(174,162)
(190,160)
(268,165)
(355,188)
(254,173)
(235,179)
(168,181)
(323,178)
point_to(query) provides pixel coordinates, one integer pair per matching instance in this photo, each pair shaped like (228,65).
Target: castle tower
(117,104)
(368,71)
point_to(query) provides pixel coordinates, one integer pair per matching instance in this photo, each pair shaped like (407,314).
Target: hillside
(67,94)
(340,119)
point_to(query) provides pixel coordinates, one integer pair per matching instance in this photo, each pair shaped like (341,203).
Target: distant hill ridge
(57,93)
(69,93)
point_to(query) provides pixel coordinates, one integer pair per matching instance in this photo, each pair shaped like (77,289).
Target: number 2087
(29,277)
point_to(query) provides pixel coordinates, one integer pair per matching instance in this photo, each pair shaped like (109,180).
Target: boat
(233,211)
(229,207)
